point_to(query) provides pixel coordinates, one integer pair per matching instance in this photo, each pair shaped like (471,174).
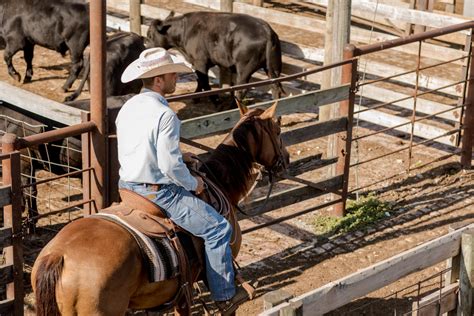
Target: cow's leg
(12,47)
(203,85)
(243,76)
(28,54)
(76,47)
(202,70)
(74,71)
(277,88)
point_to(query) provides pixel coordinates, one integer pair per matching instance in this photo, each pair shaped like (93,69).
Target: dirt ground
(426,201)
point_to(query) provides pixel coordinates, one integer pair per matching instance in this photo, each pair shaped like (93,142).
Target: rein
(219,183)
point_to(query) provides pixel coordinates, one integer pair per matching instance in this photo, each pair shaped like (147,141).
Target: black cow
(237,42)
(55,24)
(122,49)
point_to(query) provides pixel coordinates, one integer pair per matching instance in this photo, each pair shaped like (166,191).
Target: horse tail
(47,276)
(274,63)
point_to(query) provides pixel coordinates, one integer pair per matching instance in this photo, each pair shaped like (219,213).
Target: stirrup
(249,288)
(228,307)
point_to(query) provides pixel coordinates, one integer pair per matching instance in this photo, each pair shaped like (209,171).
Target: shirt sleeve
(170,160)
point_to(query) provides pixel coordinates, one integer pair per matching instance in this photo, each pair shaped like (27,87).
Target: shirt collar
(160,97)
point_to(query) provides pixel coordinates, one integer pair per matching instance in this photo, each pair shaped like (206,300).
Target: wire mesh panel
(47,161)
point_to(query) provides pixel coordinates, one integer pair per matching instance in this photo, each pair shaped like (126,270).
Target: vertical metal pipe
(413,114)
(468,121)
(346,109)
(99,140)
(86,163)
(12,218)
(462,98)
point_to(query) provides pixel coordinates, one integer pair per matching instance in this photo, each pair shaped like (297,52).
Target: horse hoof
(27,80)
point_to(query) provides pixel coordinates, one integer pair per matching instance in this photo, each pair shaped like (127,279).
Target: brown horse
(94,267)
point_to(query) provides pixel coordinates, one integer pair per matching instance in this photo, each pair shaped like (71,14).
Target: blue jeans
(201,220)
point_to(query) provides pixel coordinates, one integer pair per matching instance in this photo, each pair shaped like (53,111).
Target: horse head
(268,147)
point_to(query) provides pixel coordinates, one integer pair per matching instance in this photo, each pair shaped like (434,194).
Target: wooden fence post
(275,298)
(294,309)
(468,120)
(466,275)
(226,5)
(12,218)
(452,275)
(468,9)
(135,17)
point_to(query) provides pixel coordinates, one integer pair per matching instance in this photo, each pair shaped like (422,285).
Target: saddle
(149,219)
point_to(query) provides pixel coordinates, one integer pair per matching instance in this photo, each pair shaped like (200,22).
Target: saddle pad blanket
(159,254)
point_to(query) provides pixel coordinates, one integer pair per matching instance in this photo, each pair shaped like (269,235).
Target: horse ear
(242,108)
(270,112)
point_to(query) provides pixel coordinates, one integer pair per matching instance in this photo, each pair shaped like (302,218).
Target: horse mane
(232,165)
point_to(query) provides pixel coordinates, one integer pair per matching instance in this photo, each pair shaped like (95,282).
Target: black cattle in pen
(54,24)
(122,48)
(238,42)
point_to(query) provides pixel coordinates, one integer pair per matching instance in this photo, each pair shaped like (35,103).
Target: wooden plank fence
(342,291)
(373,68)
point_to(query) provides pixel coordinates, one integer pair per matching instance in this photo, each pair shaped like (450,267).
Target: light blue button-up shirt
(148,142)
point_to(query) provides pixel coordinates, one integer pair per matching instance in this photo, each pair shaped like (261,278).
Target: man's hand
(200,187)
(189,157)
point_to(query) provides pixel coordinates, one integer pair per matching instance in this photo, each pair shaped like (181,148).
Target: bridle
(278,162)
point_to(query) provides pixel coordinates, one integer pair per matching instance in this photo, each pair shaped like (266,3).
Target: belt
(153,187)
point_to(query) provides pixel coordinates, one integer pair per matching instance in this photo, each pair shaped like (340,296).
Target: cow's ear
(155,24)
(170,15)
(242,108)
(270,112)
(163,29)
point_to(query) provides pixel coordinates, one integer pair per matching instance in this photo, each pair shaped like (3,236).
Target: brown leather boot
(230,306)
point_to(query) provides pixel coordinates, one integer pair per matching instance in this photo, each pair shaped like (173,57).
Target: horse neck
(230,165)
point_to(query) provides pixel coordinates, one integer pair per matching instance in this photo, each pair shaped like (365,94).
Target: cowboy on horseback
(151,164)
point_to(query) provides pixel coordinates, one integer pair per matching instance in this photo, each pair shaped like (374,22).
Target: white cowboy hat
(153,62)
